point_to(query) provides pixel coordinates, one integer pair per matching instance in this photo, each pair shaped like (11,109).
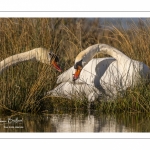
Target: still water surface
(76,123)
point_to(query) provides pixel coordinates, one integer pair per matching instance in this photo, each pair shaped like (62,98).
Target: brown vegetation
(22,87)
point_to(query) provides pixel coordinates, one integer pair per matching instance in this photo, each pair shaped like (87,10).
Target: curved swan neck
(87,54)
(119,56)
(15,59)
(91,51)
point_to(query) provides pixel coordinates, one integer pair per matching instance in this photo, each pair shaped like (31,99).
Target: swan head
(45,56)
(78,67)
(54,61)
(83,58)
(80,62)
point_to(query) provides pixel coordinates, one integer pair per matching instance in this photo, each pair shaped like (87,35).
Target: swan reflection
(79,123)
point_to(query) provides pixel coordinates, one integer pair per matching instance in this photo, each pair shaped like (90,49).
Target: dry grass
(23,86)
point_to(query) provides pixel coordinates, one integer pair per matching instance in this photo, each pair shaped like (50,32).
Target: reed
(23,86)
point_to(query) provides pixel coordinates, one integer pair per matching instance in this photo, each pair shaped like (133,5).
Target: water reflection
(75,123)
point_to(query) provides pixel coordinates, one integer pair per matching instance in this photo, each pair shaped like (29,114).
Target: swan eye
(78,64)
(75,66)
(54,57)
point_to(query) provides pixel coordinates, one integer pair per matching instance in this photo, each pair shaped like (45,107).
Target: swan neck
(119,56)
(15,59)
(91,51)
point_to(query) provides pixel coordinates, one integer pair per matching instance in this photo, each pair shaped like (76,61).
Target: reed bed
(23,87)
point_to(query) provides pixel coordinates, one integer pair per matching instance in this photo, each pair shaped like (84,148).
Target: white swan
(38,54)
(108,75)
(75,91)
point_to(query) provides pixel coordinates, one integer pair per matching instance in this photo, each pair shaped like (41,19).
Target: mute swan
(108,75)
(78,91)
(38,54)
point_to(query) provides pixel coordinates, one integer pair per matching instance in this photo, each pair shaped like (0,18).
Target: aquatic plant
(23,87)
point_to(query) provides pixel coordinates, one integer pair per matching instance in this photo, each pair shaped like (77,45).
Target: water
(76,123)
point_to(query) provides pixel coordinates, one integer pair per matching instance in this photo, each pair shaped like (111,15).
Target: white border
(74,5)
(69,8)
(81,135)
(72,14)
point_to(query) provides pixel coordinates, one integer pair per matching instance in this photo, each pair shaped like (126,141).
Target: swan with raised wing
(37,54)
(108,75)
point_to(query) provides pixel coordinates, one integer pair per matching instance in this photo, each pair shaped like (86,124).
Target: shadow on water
(94,122)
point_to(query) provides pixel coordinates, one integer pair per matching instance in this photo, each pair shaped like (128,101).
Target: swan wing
(65,76)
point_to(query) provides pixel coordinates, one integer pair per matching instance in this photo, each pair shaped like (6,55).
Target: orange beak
(77,73)
(55,65)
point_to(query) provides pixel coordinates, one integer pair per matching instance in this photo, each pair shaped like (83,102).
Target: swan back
(73,91)
(94,68)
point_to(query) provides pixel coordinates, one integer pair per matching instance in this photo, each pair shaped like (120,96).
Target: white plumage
(37,54)
(107,75)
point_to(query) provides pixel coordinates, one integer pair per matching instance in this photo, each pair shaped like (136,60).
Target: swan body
(108,75)
(75,91)
(37,54)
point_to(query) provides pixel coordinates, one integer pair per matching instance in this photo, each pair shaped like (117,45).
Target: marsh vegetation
(23,87)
